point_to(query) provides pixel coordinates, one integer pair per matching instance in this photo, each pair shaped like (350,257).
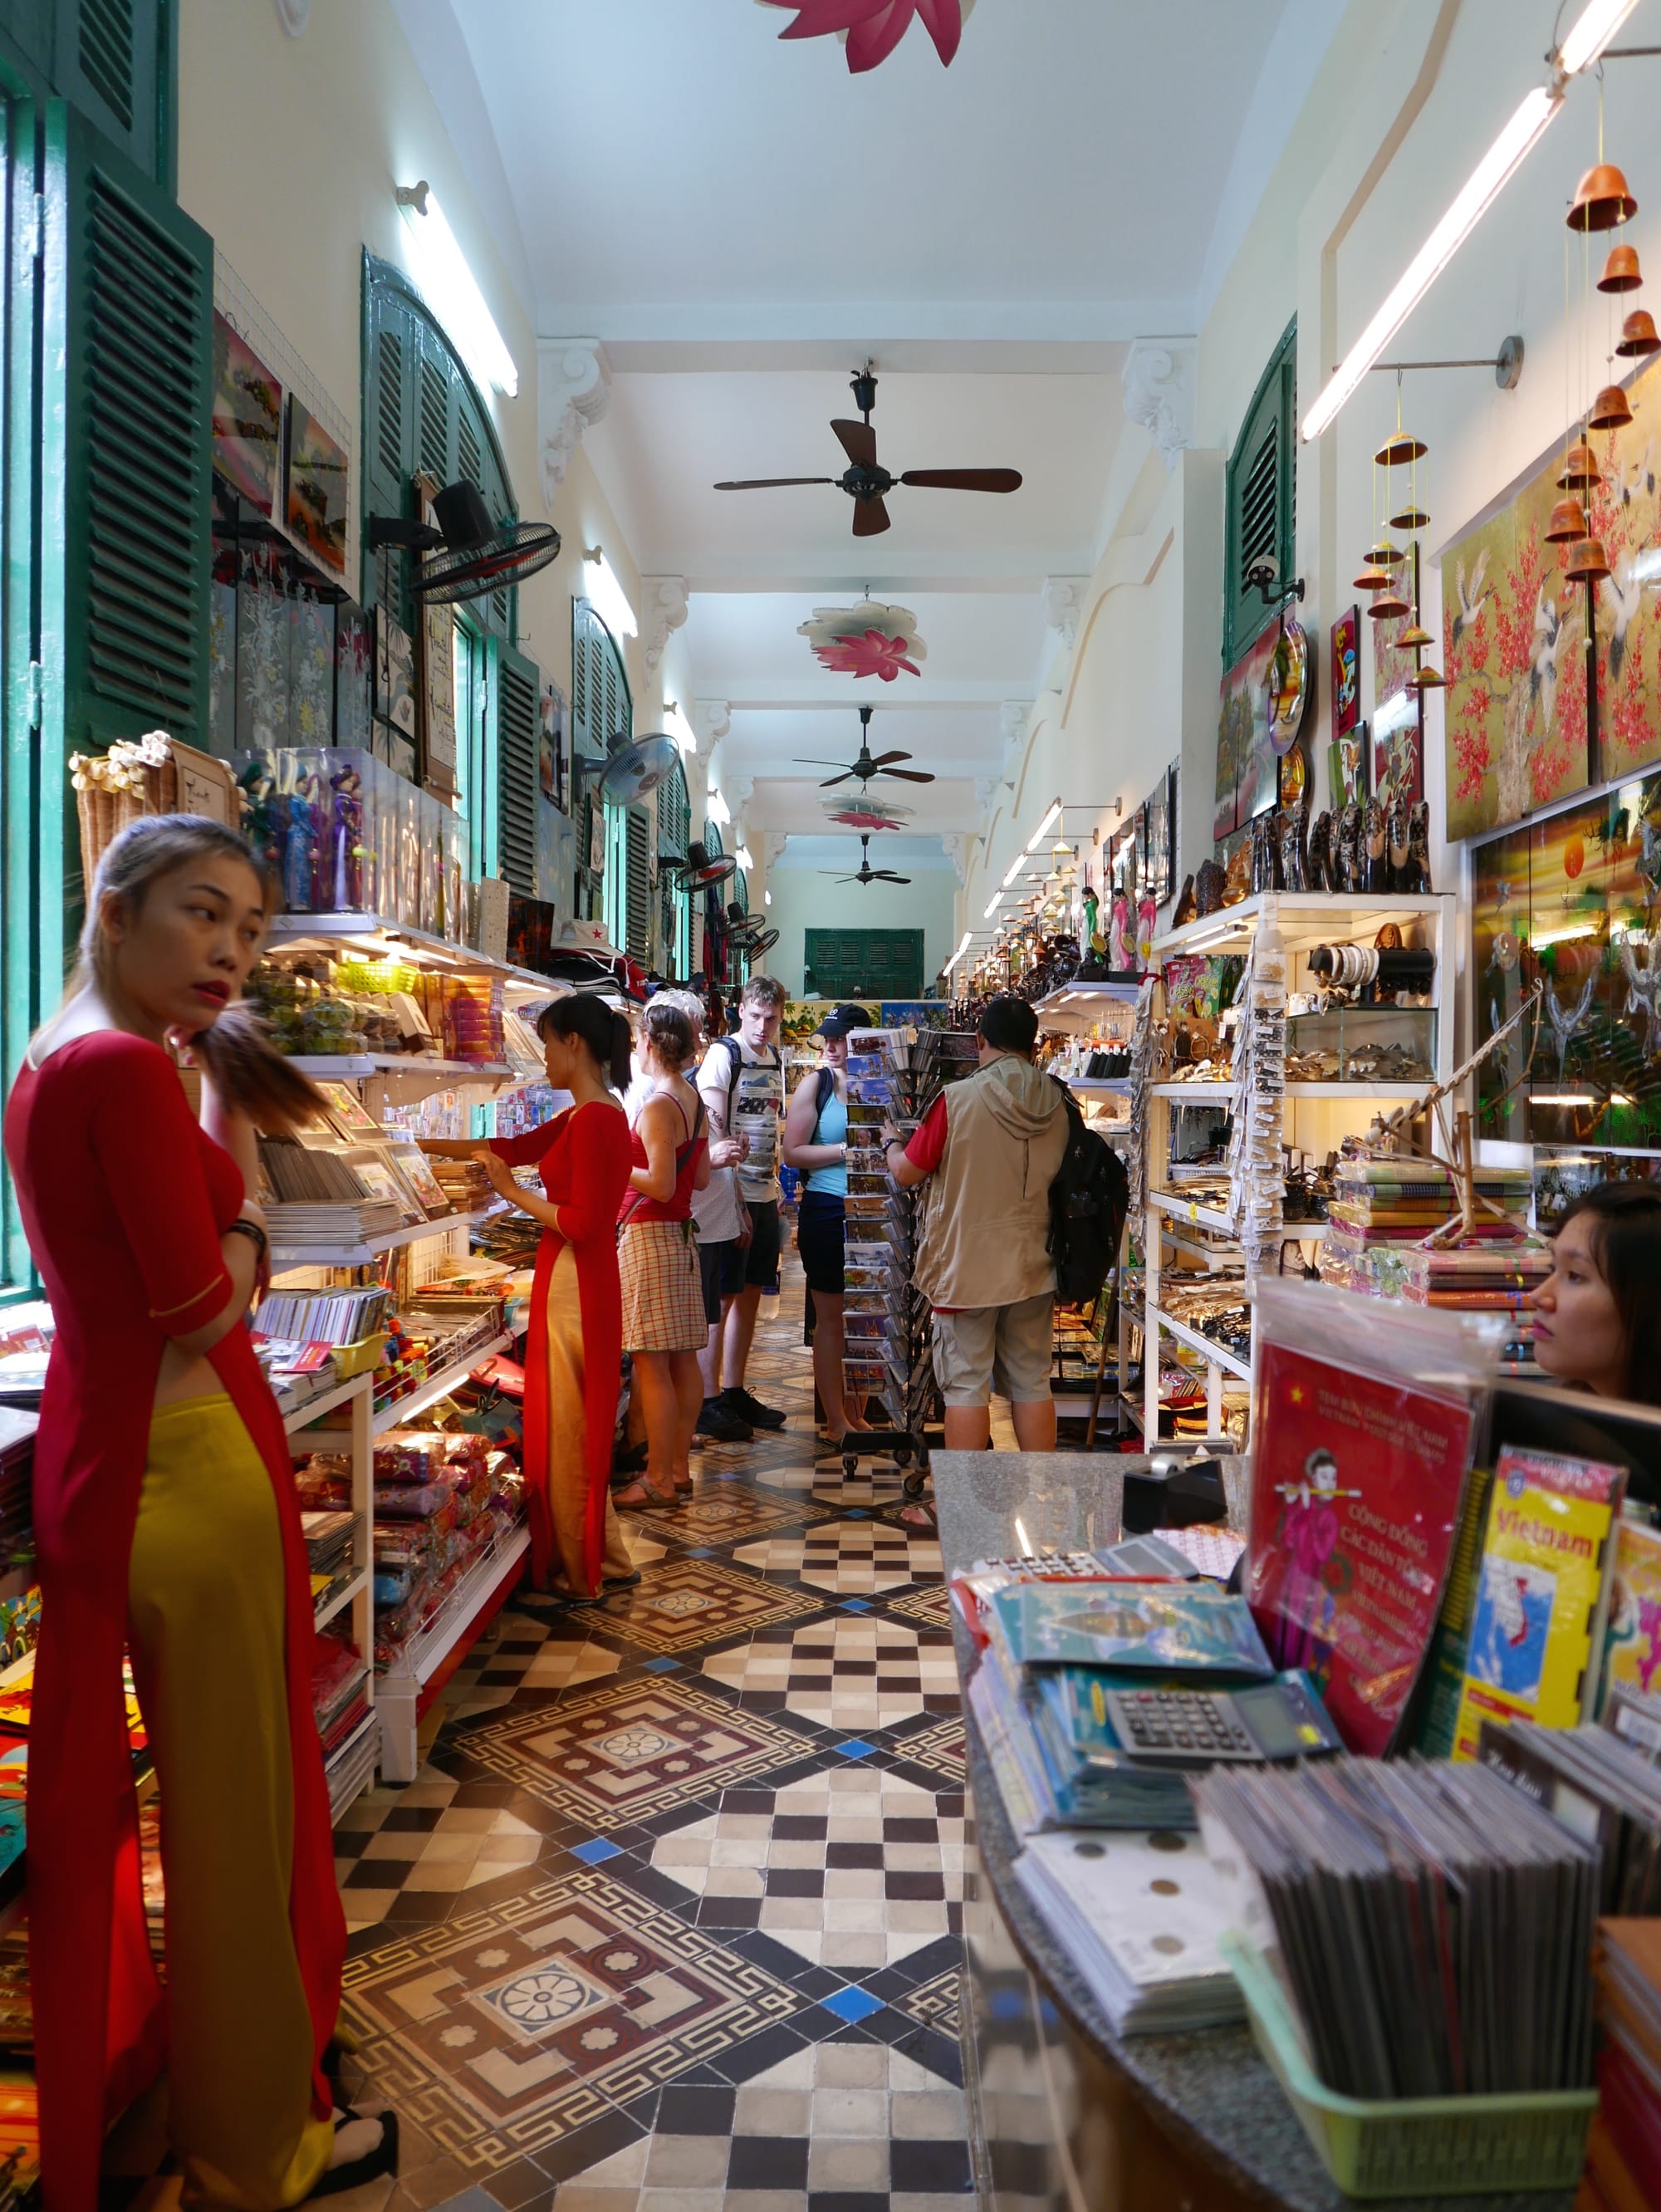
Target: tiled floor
(671,1920)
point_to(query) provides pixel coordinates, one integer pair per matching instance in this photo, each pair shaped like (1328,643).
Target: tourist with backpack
(816,1144)
(990,1148)
(742,1081)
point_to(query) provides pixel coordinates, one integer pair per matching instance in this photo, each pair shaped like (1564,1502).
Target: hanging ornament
(1587,563)
(865,641)
(1610,410)
(1621,271)
(1602,199)
(1568,522)
(871,29)
(1638,335)
(1580,471)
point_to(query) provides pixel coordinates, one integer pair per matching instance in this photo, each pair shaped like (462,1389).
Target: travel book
(1171,1628)
(1541,1594)
(1632,1644)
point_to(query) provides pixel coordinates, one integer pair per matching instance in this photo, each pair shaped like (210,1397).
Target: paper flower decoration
(871,29)
(867,813)
(870,640)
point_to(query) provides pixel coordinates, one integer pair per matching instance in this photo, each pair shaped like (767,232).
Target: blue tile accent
(661,1666)
(853,1748)
(852,2004)
(858,1514)
(703,1551)
(594,1850)
(855,1605)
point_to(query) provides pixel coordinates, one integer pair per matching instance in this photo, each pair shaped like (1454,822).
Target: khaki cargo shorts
(1002,1348)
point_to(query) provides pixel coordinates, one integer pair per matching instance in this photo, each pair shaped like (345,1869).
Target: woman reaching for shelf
(1596,1317)
(574,1350)
(816,1142)
(166,1519)
(664,1325)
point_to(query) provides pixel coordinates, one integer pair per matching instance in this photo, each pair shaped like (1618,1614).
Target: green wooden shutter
(637,940)
(114,61)
(128,355)
(32,798)
(518,686)
(674,815)
(1261,491)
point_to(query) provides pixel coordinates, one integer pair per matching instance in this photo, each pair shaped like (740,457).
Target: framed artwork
(1158,878)
(551,747)
(1398,748)
(247,420)
(317,472)
(1246,766)
(1349,758)
(1346,673)
(395,674)
(438,692)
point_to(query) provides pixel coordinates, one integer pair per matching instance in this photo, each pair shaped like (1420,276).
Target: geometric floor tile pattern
(671,1919)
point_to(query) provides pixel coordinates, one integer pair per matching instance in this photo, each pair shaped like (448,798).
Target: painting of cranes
(1514,637)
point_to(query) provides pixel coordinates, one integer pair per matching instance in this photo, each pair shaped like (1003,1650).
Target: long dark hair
(1623,1224)
(601,1028)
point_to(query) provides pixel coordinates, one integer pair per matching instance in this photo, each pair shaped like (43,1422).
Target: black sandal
(383,2159)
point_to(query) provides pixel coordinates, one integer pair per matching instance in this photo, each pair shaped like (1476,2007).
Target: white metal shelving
(406,1689)
(353,1766)
(1302,918)
(285,1258)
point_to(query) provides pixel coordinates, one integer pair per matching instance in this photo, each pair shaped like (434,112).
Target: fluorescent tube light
(1015,867)
(717,809)
(1596,28)
(1478,193)
(1561,1099)
(767,898)
(680,729)
(607,596)
(452,293)
(962,948)
(993,905)
(1045,827)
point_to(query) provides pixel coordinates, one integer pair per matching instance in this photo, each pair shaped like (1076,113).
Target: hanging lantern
(1410,517)
(1413,638)
(1373,579)
(1427,678)
(1621,271)
(1610,410)
(1638,335)
(1387,606)
(1403,446)
(1602,199)
(1580,470)
(1568,523)
(1587,562)
(1384,555)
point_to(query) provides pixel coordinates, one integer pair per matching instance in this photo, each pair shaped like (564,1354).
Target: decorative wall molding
(1015,716)
(986,789)
(1159,392)
(573,391)
(1063,605)
(665,611)
(957,843)
(773,847)
(710,720)
(293,14)
(737,791)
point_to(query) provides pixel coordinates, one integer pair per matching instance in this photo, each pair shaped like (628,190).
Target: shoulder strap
(823,1090)
(734,1052)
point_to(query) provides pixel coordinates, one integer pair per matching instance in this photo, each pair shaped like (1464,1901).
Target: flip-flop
(383,2159)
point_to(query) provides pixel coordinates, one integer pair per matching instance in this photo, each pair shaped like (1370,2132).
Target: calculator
(1278,1720)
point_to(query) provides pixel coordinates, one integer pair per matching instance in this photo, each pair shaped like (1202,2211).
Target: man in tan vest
(989,1147)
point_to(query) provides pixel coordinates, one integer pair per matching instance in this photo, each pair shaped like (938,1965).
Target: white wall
(803,899)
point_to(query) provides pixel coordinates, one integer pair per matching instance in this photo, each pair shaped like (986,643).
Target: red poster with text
(1356,1482)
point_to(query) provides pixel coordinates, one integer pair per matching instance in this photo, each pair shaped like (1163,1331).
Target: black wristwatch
(243,1227)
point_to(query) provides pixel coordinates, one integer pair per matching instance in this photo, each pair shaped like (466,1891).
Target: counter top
(1210,2092)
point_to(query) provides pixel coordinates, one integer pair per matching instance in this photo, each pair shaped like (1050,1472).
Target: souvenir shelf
(352,1768)
(1308,1115)
(1076,1006)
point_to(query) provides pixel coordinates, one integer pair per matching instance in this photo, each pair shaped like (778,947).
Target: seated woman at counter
(1597,1315)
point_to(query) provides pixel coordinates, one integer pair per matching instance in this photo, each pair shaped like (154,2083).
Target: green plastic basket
(1419,2146)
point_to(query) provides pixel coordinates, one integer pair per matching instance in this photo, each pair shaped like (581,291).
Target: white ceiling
(741,224)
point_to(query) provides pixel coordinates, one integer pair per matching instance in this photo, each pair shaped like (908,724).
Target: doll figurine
(345,842)
(1088,899)
(257,788)
(1119,947)
(1147,916)
(300,846)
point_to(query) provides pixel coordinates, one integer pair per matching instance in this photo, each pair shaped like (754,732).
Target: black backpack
(1088,1201)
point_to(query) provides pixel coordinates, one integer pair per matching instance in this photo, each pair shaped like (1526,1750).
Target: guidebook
(1632,1647)
(1174,1628)
(1541,1594)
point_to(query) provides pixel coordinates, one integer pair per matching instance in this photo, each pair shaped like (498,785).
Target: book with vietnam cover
(1632,1644)
(1357,1484)
(1541,1594)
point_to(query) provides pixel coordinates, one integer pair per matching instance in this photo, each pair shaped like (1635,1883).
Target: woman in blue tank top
(816,1142)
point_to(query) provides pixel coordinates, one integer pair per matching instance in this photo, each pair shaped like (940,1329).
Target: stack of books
(329,1548)
(1600,1787)
(1624,2156)
(340,1692)
(343,1316)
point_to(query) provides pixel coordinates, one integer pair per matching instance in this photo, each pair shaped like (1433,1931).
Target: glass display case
(1362,1044)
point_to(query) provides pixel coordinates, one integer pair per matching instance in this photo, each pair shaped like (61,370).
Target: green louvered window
(422,412)
(518,686)
(114,61)
(1261,490)
(637,925)
(602,721)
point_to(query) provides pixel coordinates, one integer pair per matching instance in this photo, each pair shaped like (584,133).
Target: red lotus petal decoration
(867,654)
(873,28)
(869,815)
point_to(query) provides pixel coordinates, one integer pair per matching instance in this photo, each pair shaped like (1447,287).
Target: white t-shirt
(754,1106)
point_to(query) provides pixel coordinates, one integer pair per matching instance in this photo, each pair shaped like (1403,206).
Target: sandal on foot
(382,2160)
(925,1518)
(620,1582)
(640,1496)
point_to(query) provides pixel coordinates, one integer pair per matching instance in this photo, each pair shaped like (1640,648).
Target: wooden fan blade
(909,774)
(882,759)
(964,479)
(814,760)
(858,442)
(870,518)
(888,876)
(768,483)
(830,780)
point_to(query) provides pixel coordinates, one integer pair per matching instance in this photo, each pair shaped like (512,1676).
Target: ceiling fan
(867,873)
(867,481)
(869,764)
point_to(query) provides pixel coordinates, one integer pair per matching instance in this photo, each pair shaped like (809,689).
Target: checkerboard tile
(847,1558)
(853,1673)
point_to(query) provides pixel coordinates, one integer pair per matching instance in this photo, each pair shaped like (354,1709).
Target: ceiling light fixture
(1597,25)
(767,898)
(1045,827)
(680,729)
(963,947)
(1015,867)
(745,857)
(993,905)
(607,596)
(452,291)
(717,809)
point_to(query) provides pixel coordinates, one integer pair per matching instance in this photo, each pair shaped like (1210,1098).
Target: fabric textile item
(129,1251)
(755,1264)
(980,1349)
(206,1633)
(582,1156)
(985,1216)
(677,1206)
(569,1478)
(662,1290)
(819,1238)
(748,1087)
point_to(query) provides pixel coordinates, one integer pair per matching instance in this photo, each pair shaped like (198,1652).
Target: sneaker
(722,1425)
(752,1410)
